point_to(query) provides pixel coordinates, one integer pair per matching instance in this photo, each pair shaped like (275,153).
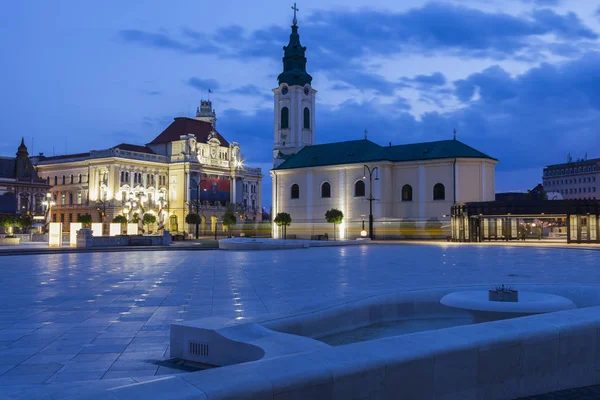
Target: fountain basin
(483,310)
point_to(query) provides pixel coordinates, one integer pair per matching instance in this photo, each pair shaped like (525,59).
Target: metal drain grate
(198,349)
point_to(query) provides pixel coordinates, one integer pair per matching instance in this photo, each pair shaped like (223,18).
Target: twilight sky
(518,79)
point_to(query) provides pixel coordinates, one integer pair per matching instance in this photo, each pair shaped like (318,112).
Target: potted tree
(229,220)
(85,220)
(24,222)
(193,219)
(148,219)
(285,220)
(8,222)
(335,217)
(120,219)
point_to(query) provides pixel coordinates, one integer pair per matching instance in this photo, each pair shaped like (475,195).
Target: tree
(335,217)
(85,219)
(285,220)
(229,219)
(193,219)
(120,219)
(24,222)
(8,222)
(149,219)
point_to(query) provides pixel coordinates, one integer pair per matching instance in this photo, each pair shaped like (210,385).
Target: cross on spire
(454,133)
(295,9)
(366,131)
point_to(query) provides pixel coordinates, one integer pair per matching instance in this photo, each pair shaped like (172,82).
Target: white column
(483,178)
(377,192)
(456,182)
(233,190)
(309,195)
(259,197)
(422,192)
(274,204)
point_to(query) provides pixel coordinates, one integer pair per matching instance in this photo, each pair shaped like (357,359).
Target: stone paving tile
(27,379)
(28,369)
(585,393)
(94,357)
(44,358)
(87,366)
(74,376)
(137,375)
(5,368)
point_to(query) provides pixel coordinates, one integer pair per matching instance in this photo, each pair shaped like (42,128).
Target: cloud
(251,90)
(164,41)
(336,37)
(429,83)
(543,2)
(533,118)
(203,84)
(339,42)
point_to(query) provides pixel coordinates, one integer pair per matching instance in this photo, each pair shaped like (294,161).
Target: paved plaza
(93,316)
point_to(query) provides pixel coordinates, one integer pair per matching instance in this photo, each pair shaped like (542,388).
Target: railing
(62,206)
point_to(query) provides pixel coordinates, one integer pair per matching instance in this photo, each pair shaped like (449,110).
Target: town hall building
(188,168)
(413,182)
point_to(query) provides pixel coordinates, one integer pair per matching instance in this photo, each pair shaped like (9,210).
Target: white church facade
(414,182)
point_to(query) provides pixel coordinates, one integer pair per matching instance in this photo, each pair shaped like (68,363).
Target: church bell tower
(294,101)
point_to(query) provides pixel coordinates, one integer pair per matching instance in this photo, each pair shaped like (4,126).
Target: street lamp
(101,205)
(366,169)
(197,199)
(48,203)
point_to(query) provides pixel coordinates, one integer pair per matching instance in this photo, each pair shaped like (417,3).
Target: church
(418,182)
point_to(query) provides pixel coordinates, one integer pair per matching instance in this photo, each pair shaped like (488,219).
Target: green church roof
(362,151)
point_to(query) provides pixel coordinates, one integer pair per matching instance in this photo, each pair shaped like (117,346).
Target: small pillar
(84,238)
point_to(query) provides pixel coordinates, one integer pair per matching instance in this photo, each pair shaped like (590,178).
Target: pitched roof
(133,147)
(64,156)
(184,126)
(360,151)
(7,167)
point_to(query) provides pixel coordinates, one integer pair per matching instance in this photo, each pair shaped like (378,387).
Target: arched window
(326,190)
(55,180)
(407,193)
(359,189)
(285,118)
(295,191)
(439,192)
(79,177)
(306,118)
(63,180)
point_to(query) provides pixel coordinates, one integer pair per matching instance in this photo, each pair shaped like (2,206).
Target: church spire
(294,59)
(22,150)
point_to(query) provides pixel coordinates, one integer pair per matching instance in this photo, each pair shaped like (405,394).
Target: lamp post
(101,206)
(375,170)
(48,203)
(197,199)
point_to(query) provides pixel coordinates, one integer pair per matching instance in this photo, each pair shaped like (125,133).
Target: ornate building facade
(22,191)
(190,167)
(419,181)
(573,180)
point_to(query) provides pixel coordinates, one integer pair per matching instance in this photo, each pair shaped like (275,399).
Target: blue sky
(518,79)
